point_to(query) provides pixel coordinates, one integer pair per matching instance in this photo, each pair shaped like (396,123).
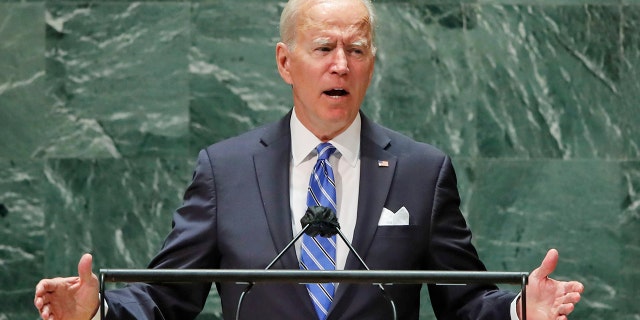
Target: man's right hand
(69,298)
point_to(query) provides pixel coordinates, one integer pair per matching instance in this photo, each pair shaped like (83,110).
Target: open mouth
(338,92)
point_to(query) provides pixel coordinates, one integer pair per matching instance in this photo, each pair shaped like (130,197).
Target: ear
(283,59)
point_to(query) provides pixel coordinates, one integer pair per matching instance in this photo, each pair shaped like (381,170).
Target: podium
(251,276)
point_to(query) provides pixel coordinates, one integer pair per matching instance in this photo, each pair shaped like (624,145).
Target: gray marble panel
(21,236)
(585,209)
(553,81)
(119,73)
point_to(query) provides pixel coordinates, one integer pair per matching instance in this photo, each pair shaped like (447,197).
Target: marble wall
(104,105)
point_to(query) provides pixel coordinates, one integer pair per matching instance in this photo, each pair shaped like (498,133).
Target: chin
(339,123)
(339,113)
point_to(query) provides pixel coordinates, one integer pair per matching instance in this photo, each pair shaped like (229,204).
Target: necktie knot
(325,150)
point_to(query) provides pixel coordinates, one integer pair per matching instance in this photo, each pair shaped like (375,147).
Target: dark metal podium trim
(308,276)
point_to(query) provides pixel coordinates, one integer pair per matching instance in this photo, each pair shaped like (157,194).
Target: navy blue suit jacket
(236,215)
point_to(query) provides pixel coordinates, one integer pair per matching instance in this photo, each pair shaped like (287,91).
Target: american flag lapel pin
(383,163)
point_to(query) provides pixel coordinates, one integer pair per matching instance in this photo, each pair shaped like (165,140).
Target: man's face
(331,65)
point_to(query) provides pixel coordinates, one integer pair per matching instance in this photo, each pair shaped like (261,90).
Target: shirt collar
(303,142)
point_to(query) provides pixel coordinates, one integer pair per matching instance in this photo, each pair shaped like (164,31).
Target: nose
(340,64)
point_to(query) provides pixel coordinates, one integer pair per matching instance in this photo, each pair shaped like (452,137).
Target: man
(249,192)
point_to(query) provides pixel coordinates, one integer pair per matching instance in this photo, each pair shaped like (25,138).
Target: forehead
(347,18)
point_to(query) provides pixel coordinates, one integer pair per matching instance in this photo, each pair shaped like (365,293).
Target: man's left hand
(549,299)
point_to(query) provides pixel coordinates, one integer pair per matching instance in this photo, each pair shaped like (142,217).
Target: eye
(357,51)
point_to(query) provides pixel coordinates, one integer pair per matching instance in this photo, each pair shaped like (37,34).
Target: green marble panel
(119,72)
(119,210)
(21,236)
(23,1)
(378,3)
(628,223)
(553,81)
(23,103)
(630,78)
(550,2)
(235,85)
(585,209)
(154,81)
(421,77)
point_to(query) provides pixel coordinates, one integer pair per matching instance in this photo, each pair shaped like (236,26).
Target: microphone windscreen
(321,220)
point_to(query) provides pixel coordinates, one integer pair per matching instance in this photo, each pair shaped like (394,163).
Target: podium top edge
(302,276)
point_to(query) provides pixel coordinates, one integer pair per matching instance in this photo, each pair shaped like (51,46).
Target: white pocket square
(389,218)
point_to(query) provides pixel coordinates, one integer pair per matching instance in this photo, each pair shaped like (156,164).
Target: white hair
(291,12)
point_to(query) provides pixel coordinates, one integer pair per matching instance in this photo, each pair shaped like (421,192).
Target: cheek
(365,70)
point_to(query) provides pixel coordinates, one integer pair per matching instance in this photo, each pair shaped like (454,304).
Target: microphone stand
(250,285)
(325,224)
(384,292)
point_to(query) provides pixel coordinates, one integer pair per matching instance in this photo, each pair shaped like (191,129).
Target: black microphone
(319,220)
(315,221)
(325,223)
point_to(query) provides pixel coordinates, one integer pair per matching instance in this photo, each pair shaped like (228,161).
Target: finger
(572,297)
(566,308)
(547,266)
(45,312)
(41,287)
(45,299)
(574,286)
(37,295)
(84,267)
(49,285)
(39,302)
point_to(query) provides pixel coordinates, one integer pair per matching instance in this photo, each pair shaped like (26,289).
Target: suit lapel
(272,173)
(375,181)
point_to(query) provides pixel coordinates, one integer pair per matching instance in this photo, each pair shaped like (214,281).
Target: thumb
(84,267)
(548,265)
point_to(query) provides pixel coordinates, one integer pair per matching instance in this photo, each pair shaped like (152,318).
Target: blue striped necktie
(319,253)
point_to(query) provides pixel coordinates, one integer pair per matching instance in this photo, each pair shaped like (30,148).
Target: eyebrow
(361,43)
(327,41)
(322,41)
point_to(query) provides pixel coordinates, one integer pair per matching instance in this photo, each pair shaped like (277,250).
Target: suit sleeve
(191,244)
(451,249)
